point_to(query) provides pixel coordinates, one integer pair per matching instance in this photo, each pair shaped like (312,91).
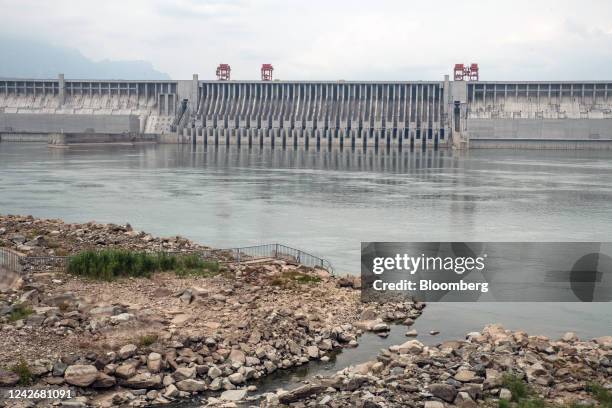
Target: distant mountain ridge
(23,58)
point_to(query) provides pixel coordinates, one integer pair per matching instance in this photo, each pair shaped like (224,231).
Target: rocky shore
(149,341)
(486,367)
(137,342)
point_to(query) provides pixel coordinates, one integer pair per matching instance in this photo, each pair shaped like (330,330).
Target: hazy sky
(327,39)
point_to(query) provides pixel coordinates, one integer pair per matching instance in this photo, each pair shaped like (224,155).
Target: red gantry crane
(266,72)
(466,73)
(223,72)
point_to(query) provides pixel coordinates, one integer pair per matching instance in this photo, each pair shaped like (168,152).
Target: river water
(327,202)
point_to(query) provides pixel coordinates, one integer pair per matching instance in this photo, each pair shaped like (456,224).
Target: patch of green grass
(113,263)
(516,386)
(20,312)
(307,279)
(193,265)
(523,396)
(146,340)
(24,373)
(291,278)
(601,394)
(531,403)
(576,404)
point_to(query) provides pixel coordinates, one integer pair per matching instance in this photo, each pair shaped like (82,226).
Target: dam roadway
(358,114)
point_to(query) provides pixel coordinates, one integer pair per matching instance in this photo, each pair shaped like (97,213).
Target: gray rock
(411,347)
(105,311)
(81,375)
(154,362)
(463,400)
(412,333)
(380,327)
(465,376)
(300,393)
(8,378)
(144,380)
(59,368)
(187,296)
(445,392)
(104,381)
(312,351)
(233,395)
(171,391)
(17,238)
(216,384)
(237,357)
(125,370)
(127,351)
(236,378)
(505,394)
(184,373)
(121,318)
(569,337)
(214,372)
(191,385)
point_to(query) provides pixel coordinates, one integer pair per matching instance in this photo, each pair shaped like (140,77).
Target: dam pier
(352,114)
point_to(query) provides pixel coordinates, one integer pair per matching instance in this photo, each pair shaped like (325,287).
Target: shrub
(290,278)
(20,312)
(146,340)
(23,371)
(192,265)
(516,386)
(111,264)
(601,394)
(531,403)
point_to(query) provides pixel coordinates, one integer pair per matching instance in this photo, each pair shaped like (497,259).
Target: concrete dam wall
(351,114)
(419,114)
(77,106)
(559,115)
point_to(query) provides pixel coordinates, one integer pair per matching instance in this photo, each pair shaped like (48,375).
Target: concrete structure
(413,114)
(350,114)
(540,114)
(67,139)
(67,104)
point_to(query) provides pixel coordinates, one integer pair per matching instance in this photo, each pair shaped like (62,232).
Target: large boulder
(445,392)
(154,362)
(81,375)
(127,351)
(144,380)
(300,393)
(183,373)
(465,376)
(8,378)
(214,372)
(604,342)
(104,381)
(233,395)
(237,357)
(236,378)
(191,385)
(411,347)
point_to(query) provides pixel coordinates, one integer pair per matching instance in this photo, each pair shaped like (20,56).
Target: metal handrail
(279,251)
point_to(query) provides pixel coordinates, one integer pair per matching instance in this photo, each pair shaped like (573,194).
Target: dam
(354,114)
